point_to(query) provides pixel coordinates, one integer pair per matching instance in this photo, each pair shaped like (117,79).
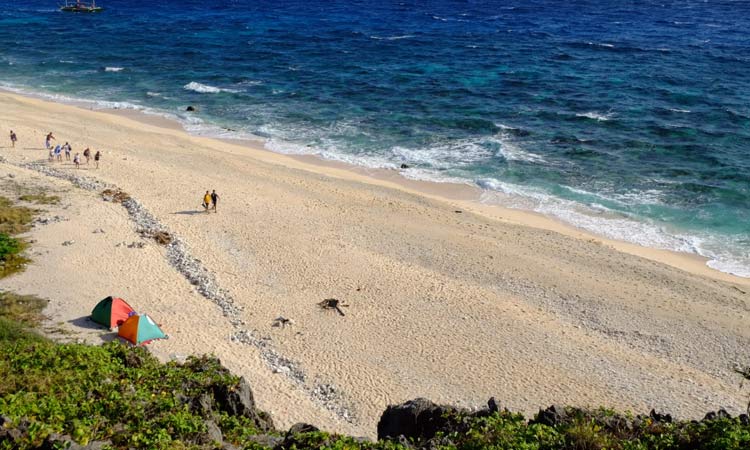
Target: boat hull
(81,10)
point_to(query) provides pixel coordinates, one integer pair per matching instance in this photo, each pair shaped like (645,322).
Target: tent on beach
(140,329)
(111,312)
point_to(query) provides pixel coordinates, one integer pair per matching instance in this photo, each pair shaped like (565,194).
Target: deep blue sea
(627,118)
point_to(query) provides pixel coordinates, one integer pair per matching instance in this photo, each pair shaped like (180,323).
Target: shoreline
(453,307)
(465,195)
(469,197)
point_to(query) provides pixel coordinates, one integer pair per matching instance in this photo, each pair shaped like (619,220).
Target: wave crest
(205,88)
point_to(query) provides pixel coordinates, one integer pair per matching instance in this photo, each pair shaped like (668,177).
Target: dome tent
(140,329)
(111,312)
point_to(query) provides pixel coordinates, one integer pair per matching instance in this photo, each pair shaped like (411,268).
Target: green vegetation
(40,198)
(125,396)
(11,260)
(110,392)
(14,219)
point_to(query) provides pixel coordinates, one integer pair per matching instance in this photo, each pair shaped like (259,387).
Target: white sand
(453,307)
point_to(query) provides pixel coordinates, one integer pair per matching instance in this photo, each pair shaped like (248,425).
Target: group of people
(210,201)
(55,153)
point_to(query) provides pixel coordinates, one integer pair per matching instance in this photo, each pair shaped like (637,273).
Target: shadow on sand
(190,213)
(86,323)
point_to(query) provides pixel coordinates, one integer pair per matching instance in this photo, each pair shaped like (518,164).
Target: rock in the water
(405,166)
(418,419)
(191,108)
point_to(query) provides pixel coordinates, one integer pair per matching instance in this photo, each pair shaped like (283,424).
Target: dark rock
(213,432)
(417,419)
(238,401)
(55,441)
(191,108)
(133,359)
(656,417)
(710,416)
(405,166)
(404,441)
(723,414)
(492,405)
(616,424)
(202,405)
(266,440)
(551,416)
(744,419)
(300,427)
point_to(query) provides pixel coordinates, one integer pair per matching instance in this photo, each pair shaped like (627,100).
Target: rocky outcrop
(238,401)
(417,419)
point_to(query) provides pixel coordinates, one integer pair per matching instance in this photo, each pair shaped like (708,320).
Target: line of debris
(326,395)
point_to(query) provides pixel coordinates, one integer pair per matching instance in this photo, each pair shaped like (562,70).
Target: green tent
(111,312)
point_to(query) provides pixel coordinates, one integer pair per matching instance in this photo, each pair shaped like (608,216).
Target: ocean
(630,119)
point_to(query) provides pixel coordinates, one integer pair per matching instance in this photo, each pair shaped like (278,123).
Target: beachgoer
(13,139)
(87,154)
(214,200)
(67,151)
(206,201)
(96,158)
(51,154)
(77,160)
(58,152)
(48,140)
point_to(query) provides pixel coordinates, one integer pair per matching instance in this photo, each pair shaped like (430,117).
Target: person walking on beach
(13,139)
(67,151)
(77,160)
(206,201)
(58,152)
(97,156)
(48,141)
(87,154)
(51,154)
(214,200)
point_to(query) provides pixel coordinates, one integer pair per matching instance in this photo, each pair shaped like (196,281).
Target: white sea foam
(601,220)
(392,38)
(598,44)
(593,115)
(679,110)
(205,89)
(114,69)
(512,152)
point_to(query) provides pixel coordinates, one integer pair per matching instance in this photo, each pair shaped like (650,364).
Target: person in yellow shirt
(206,201)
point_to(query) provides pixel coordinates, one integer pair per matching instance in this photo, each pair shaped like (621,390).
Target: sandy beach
(445,298)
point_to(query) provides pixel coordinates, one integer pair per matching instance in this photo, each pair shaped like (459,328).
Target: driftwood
(332,303)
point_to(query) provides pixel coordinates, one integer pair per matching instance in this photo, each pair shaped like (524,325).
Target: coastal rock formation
(418,419)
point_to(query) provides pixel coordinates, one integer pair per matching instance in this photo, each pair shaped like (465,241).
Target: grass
(40,198)
(14,219)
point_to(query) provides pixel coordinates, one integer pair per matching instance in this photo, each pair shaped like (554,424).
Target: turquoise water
(630,119)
